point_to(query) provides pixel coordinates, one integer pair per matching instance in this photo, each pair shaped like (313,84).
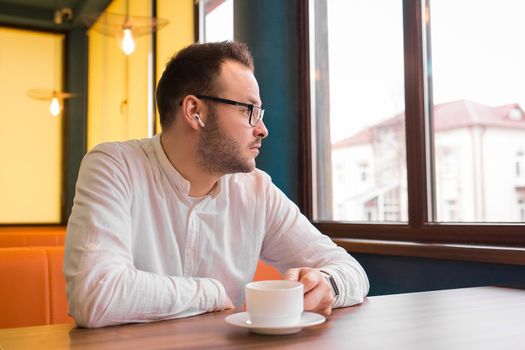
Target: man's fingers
(307,276)
(326,312)
(292,274)
(309,279)
(318,295)
(321,306)
(318,299)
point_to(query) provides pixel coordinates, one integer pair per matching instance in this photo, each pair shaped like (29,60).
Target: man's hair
(193,71)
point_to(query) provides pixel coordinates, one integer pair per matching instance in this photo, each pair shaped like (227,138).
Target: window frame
(498,243)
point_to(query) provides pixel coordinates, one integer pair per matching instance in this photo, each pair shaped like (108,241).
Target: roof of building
(449,116)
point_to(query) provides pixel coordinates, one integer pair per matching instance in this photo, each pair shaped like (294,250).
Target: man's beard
(219,153)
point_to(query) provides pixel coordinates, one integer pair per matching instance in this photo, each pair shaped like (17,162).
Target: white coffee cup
(274,303)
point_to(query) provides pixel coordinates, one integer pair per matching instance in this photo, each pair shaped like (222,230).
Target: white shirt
(138,248)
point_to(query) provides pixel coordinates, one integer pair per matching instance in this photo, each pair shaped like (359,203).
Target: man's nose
(260,130)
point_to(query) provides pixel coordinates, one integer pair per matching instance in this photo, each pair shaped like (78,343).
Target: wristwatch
(331,280)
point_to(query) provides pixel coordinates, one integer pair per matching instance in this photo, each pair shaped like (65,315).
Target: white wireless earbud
(198,119)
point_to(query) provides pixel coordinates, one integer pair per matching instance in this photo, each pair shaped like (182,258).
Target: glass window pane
(478,70)
(218,20)
(359,156)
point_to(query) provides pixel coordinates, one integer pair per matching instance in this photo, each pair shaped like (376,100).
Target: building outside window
(474,102)
(358,102)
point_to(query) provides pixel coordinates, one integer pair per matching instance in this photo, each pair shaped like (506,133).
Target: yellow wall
(107,71)
(30,137)
(107,83)
(176,35)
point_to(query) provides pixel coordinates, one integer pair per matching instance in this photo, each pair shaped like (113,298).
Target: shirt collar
(174,177)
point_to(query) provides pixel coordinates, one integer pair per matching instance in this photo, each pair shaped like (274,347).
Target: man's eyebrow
(254,101)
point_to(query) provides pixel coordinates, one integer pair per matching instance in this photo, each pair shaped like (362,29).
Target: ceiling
(40,14)
(46,4)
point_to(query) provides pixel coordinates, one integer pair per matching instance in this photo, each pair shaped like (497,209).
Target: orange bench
(266,272)
(29,236)
(33,286)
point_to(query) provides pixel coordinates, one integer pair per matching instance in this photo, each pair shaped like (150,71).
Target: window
(521,208)
(520,166)
(363,169)
(417,115)
(216,20)
(359,109)
(477,75)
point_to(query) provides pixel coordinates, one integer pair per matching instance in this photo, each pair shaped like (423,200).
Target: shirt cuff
(217,295)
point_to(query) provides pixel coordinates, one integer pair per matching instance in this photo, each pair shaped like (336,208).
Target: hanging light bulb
(55,97)
(123,27)
(54,107)
(128,42)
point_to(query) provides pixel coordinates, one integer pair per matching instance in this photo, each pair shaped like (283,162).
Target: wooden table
(470,318)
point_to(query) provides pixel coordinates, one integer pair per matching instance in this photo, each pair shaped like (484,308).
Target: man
(173,226)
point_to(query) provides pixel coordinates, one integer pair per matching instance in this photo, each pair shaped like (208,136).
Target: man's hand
(318,294)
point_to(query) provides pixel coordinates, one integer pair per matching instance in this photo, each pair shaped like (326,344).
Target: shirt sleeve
(291,241)
(103,286)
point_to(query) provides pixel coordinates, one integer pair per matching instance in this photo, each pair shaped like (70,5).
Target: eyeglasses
(256,112)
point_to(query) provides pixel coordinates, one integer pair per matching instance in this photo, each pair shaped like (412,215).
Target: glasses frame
(251,107)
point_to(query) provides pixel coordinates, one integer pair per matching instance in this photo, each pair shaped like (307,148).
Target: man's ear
(192,106)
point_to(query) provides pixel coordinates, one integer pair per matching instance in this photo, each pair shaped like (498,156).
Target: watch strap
(331,280)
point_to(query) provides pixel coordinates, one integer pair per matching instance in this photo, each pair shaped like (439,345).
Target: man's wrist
(330,279)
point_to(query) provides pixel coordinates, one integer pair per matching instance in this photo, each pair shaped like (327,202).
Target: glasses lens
(257,115)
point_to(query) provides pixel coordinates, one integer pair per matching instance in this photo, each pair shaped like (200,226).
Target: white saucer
(242,319)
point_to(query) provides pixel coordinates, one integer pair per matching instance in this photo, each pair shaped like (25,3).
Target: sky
(478,53)
(219,23)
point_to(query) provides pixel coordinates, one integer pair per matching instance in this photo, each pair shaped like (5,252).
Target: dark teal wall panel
(76,111)
(269,27)
(395,274)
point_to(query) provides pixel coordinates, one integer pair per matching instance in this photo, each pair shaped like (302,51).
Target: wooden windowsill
(462,252)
